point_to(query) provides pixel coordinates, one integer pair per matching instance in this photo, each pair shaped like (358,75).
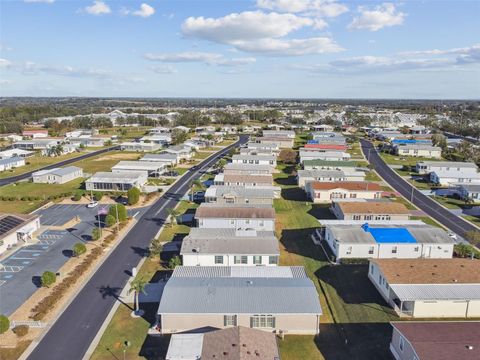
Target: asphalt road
(26,175)
(71,335)
(423,202)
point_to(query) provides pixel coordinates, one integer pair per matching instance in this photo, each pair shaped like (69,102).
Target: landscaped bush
(120,209)
(77,196)
(48,278)
(354,261)
(20,330)
(98,195)
(133,195)
(4,324)
(96,234)
(110,220)
(79,249)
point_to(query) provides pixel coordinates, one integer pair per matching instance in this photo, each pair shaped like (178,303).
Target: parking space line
(2,282)
(31,250)
(21,258)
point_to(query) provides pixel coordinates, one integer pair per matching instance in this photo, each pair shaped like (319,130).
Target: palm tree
(172,215)
(137,286)
(195,183)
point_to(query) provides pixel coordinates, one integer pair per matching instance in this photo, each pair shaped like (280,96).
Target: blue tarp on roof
(312,142)
(391,235)
(410,141)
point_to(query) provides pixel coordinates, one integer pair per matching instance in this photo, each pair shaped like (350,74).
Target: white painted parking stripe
(29,250)
(20,258)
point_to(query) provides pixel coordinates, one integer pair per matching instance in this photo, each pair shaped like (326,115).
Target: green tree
(220,164)
(137,286)
(172,215)
(108,143)
(174,262)
(288,156)
(195,185)
(133,196)
(79,249)
(473,237)
(4,324)
(119,209)
(110,221)
(48,278)
(97,195)
(96,234)
(178,136)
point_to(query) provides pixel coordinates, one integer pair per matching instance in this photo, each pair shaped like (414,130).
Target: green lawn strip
(20,207)
(450,202)
(134,330)
(105,162)
(202,155)
(372,176)
(26,188)
(403,160)
(36,162)
(170,231)
(295,347)
(472,219)
(427,220)
(180,170)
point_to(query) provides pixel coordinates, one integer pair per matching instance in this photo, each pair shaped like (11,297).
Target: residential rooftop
(235,211)
(58,171)
(430,271)
(347,185)
(239,290)
(442,340)
(239,191)
(373,207)
(326,163)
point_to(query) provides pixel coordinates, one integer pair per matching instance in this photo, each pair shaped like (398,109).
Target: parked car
(92,204)
(198,196)
(121,200)
(171,173)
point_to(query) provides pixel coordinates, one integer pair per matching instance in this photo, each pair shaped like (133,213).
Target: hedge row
(34,198)
(49,302)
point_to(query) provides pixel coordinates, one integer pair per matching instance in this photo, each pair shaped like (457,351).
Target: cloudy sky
(258,48)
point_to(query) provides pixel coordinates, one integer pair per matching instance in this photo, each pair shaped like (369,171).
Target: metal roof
(232,245)
(58,171)
(251,292)
(411,292)
(254,157)
(324,173)
(102,176)
(239,191)
(455,164)
(296,272)
(326,163)
(143,165)
(11,160)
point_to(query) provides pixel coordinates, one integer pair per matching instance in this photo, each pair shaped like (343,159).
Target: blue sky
(258,48)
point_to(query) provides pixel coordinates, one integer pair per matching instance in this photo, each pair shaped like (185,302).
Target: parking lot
(20,272)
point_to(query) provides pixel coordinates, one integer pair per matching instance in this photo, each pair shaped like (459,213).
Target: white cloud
(465,55)
(201,57)
(40,1)
(4,63)
(5,82)
(164,69)
(380,16)
(261,33)
(322,8)
(290,47)
(320,24)
(144,11)
(98,8)
(248,25)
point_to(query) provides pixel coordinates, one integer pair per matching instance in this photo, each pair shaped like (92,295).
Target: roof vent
(455,280)
(244,345)
(249,282)
(234,345)
(469,347)
(225,353)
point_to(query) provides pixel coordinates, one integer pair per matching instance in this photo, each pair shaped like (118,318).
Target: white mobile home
(57,175)
(116,181)
(11,163)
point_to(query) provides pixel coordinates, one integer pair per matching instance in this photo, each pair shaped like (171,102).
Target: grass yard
(403,160)
(37,162)
(45,190)
(125,328)
(449,202)
(202,155)
(372,176)
(129,133)
(20,207)
(104,162)
(169,232)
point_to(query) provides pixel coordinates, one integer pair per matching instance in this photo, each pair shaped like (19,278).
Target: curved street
(70,336)
(443,216)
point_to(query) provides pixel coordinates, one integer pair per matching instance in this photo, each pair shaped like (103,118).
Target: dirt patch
(120,156)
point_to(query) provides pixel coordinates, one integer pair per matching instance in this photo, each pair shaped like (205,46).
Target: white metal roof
(410,292)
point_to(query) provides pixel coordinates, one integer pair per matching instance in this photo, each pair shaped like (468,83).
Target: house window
(262,321)
(349,250)
(371,250)
(232,222)
(353,196)
(257,260)
(229,200)
(357,217)
(272,260)
(416,248)
(229,320)
(401,345)
(218,259)
(247,221)
(261,223)
(394,249)
(240,259)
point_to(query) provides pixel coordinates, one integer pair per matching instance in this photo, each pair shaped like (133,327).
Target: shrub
(79,249)
(133,195)
(4,324)
(98,195)
(110,220)
(174,262)
(20,330)
(354,261)
(96,234)
(48,278)
(288,156)
(120,209)
(77,196)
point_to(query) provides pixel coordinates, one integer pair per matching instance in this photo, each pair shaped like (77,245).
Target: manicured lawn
(450,202)
(36,162)
(372,176)
(21,207)
(104,162)
(427,220)
(295,347)
(131,132)
(125,328)
(180,170)
(403,160)
(202,155)
(405,202)
(170,231)
(45,190)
